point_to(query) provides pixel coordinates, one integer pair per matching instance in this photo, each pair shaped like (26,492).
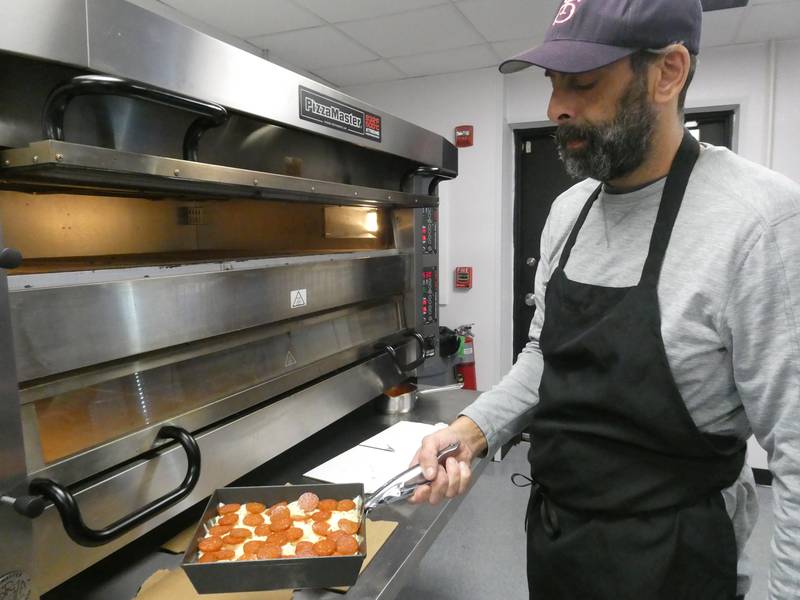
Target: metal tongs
(403,485)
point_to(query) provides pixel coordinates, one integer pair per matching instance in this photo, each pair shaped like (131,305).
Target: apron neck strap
(671,200)
(562,263)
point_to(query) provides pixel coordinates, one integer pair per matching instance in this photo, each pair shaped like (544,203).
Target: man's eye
(583,87)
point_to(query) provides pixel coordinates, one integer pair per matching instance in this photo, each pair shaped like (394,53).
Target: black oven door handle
(209,114)
(71,517)
(392,351)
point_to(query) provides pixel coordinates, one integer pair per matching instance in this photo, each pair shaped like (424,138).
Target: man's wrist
(470,434)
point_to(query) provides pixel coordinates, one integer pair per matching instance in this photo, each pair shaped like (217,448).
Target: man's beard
(612,149)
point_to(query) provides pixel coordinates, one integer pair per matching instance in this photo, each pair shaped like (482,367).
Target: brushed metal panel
(49,29)
(105,423)
(61,329)
(131,42)
(15,531)
(12,465)
(228,452)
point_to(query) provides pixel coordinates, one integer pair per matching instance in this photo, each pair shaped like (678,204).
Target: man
(666,332)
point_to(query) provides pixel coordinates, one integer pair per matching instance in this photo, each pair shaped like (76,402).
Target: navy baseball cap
(589,34)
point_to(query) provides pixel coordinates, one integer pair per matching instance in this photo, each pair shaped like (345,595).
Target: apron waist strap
(547,513)
(539,499)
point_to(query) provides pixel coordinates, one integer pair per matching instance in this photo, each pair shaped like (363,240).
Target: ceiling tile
(248,18)
(720,27)
(368,72)
(448,61)
(770,22)
(314,48)
(426,30)
(499,20)
(337,11)
(511,48)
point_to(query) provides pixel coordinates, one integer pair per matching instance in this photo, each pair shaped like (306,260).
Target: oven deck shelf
(64,167)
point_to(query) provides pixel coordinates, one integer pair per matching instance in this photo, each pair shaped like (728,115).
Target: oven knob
(10,258)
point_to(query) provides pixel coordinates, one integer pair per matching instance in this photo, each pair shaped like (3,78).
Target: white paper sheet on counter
(377,459)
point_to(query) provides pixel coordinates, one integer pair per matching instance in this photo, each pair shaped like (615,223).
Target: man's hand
(452,478)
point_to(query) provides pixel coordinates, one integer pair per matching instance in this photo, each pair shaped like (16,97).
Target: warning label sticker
(298,298)
(290,359)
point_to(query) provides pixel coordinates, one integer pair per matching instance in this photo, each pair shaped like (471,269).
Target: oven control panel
(430,294)
(428,233)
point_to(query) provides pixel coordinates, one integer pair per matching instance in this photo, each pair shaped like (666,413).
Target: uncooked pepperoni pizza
(307,527)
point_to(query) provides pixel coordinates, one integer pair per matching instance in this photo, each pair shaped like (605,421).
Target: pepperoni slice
(225,554)
(305,553)
(348,526)
(308,501)
(252,547)
(304,545)
(321,527)
(208,557)
(229,519)
(210,544)
(219,530)
(247,557)
(328,504)
(321,515)
(232,540)
(255,507)
(335,534)
(280,524)
(228,508)
(279,512)
(345,505)
(324,548)
(279,538)
(263,530)
(276,505)
(241,532)
(269,551)
(346,545)
(293,534)
(253,520)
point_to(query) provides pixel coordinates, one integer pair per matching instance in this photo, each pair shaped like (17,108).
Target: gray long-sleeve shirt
(729,297)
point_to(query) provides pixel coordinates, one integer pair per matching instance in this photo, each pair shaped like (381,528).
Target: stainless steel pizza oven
(206,259)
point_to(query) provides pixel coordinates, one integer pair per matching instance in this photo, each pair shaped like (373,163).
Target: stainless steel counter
(120,575)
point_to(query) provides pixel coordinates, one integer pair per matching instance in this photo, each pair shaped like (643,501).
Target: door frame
(733,108)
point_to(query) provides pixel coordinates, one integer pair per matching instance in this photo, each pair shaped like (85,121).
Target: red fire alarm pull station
(464,136)
(464,278)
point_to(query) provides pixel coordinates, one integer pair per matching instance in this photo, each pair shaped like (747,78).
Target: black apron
(626,501)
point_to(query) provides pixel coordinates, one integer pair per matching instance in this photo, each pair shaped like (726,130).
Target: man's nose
(561,108)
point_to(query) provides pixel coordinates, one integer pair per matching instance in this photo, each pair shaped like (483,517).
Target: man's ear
(672,70)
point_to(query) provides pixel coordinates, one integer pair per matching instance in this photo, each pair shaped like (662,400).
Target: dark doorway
(540,179)
(714,127)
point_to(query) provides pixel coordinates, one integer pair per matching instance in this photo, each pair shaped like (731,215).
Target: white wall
(472,231)
(787,120)
(478,206)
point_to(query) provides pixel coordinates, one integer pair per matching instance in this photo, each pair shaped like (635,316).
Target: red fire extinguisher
(465,369)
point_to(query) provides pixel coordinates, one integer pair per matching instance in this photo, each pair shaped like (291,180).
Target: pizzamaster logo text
(333,113)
